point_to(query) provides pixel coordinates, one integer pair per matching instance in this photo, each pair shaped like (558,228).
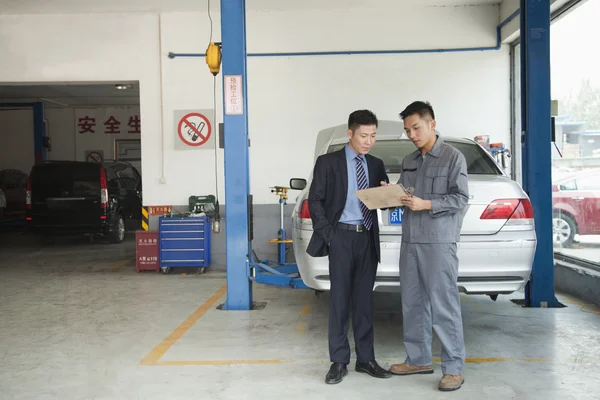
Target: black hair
(423,108)
(361,117)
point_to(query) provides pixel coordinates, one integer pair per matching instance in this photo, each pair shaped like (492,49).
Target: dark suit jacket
(327,198)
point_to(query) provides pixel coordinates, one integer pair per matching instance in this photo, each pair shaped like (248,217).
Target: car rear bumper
(485,267)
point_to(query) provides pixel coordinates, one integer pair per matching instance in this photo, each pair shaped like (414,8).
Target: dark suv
(75,197)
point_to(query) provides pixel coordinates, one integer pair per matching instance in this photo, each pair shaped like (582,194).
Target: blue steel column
(39,131)
(537,159)
(237,181)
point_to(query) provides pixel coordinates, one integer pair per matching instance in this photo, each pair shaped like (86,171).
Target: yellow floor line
(118,265)
(499,360)
(324,361)
(170,340)
(302,325)
(306,310)
(222,362)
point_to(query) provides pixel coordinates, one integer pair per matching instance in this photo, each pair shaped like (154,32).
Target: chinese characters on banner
(108,121)
(98,128)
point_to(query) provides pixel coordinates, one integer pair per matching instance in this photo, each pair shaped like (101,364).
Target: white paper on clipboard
(382,196)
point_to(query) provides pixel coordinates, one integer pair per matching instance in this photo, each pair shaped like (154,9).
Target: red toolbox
(146,251)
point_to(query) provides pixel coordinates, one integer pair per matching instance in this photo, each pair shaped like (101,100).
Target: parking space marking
(153,358)
(164,346)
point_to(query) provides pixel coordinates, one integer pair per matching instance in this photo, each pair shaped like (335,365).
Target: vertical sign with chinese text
(234,96)
(146,251)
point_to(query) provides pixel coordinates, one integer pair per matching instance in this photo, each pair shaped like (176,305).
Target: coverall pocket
(409,177)
(436,179)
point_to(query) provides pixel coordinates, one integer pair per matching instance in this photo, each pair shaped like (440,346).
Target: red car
(576,206)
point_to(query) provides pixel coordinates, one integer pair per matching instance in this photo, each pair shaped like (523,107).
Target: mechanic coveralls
(428,259)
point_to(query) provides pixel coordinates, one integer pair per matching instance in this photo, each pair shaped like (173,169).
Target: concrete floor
(77,322)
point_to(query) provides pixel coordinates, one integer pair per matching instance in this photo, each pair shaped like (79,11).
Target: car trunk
(484,191)
(66,194)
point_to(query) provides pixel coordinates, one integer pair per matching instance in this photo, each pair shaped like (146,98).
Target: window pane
(575,84)
(568,186)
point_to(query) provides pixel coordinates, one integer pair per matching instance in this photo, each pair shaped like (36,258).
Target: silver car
(498,239)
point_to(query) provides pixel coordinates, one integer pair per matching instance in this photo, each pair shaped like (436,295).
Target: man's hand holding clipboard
(404,198)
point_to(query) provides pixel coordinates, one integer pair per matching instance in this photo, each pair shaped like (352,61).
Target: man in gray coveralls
(428,262)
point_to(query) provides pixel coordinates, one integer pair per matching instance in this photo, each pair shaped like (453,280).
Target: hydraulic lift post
(536,141)
(237,180)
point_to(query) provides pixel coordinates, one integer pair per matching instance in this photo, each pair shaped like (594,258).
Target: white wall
(290,98)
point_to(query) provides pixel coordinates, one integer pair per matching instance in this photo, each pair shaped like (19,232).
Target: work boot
(448,383)
(405,369)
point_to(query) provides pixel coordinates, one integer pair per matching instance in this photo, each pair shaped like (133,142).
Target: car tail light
(103,189)
(304,212)
(28,193)
(514,211)
(500,209)
(524,210)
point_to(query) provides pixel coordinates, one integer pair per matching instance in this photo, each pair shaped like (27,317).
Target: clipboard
(382,196)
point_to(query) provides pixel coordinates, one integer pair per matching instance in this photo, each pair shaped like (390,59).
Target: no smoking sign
(194,130)
(94,156)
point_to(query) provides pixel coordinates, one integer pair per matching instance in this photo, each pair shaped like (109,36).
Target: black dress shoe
(373,369)
(336,373)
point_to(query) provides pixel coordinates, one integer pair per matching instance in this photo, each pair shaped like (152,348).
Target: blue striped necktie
(361,178)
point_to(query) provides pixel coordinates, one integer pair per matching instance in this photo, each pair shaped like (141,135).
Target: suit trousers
(352,271)
(430,299)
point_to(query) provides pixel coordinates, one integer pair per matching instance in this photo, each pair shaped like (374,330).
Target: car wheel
(564,229)
(118,234)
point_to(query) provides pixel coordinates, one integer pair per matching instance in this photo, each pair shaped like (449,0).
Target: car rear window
(392,152)
(66,180)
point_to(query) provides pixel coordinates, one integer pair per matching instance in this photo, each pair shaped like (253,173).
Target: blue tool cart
(184,242)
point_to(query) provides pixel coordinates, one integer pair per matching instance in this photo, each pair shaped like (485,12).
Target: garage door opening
(69,127)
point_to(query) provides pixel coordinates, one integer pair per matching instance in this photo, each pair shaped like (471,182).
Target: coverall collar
(435,150)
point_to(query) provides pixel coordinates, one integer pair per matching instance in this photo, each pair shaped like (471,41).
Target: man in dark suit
(347,232)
